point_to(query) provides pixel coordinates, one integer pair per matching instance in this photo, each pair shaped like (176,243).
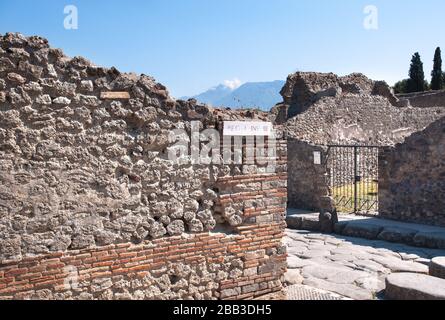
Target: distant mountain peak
(233,84)
(262,95)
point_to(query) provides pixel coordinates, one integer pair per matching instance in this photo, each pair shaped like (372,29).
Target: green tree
(416,82)
(436,74)
(401,86)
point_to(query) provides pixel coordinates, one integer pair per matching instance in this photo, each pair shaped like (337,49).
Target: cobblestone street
(354,268)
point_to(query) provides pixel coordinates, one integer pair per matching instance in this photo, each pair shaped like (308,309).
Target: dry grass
(366,194)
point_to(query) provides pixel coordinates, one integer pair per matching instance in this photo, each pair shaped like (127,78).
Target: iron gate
(353,175)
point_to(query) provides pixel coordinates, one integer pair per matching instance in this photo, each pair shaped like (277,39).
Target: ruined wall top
(41,64)
(424,99)
(323,108)
(302,89)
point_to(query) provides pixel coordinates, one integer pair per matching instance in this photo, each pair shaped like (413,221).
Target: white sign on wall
(247,128)
(317,157)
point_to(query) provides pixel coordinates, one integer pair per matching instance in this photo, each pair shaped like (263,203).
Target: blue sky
(191,45)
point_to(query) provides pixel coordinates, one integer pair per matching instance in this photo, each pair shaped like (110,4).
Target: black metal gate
(353,172)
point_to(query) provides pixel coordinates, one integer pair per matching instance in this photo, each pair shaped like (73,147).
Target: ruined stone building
(327,109)
(323,109)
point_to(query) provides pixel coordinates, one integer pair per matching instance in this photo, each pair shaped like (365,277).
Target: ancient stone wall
(424,99)
(350,110)
(308,185)
(324,109)
(91,206)
(412,177)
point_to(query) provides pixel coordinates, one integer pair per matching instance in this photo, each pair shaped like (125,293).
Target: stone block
(362,230)
(397,234)
(437,267)
(410,286)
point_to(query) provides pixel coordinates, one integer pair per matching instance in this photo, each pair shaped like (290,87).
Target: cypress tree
(436,74)
(416,82)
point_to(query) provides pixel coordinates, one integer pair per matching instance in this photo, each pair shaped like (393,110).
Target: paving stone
(334,241)
(347,290)
(295,262)
(299,242)
(423,261)
(322,272)
(287,241)
(350,266)
(319,243)
(321,247)
(293,276)
(380,244)
(345,264)
(410,286)
(355,241)
(371,266)
(351,251)
(349,277)
(296,252)
(333,273)
(437,267)
(297,237)
(309,254)
(402,248)
(303,232)
(371,283)
(408,256)
(365,243)
(342,257)
(387,253)
(316,236)
(398,265)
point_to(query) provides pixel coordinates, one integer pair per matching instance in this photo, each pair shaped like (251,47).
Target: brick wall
(127,271)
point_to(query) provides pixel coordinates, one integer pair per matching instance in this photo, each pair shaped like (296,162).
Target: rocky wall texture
(424,99)
(412,177)
(84,165)
(308,183)
(327,109)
